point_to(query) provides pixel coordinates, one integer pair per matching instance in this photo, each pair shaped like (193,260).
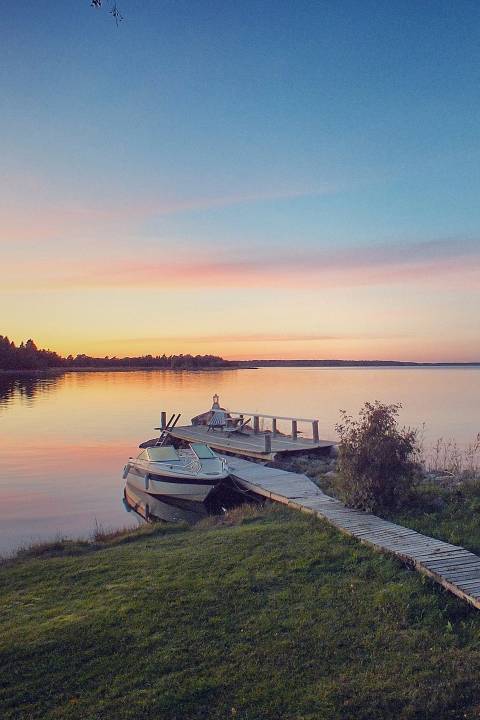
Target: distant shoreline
(116,368)
(350,363)
(243,365)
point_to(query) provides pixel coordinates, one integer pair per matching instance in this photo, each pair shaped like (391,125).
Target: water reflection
(152,509)
(171,509)
(25,387)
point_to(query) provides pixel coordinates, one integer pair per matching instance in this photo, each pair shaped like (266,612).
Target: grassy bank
(265,614)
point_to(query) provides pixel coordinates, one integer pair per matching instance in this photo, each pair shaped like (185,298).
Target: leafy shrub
(377,461)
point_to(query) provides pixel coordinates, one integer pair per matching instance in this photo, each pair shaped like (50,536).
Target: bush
(377,465)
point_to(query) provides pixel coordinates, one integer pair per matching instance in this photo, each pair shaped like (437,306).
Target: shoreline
(351,363)
(335,364)
(116,368)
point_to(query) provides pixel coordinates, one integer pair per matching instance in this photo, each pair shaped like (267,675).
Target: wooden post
(268,443)
(274,426)
(163,420)
(256,424)
(316,436)
(294,430)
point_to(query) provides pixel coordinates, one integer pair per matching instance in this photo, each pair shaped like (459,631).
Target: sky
(255,180)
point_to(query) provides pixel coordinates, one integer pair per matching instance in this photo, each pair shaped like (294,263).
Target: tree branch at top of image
(114,10)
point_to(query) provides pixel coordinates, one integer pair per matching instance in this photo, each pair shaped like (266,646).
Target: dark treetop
(28,357)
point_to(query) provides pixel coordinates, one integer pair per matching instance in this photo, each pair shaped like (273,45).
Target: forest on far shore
(27,356)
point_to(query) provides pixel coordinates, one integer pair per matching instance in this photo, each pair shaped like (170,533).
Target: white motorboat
(189,474)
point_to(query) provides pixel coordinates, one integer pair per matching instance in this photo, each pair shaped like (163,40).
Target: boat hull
(160,486)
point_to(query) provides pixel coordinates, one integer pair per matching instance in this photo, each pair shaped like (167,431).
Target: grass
(265,614)
(450,514)
(100,539)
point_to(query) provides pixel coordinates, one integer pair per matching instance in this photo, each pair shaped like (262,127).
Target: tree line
(27,356)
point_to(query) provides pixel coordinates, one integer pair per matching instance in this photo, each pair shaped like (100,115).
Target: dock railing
(256,417)
(274,418)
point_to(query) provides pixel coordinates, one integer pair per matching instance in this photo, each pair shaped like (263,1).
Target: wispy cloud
(445,260)
(33,219)
(260,337)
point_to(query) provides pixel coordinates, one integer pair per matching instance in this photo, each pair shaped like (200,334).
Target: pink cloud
(447,261)
(259,337)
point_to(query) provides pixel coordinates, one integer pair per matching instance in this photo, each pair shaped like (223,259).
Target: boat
(189,474)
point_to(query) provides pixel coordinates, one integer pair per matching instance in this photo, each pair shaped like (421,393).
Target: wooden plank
(469,568)
(429,543)
(464,564)
(418,546)
(462,577)
(388,532)
(435,557)
(472,586)
(469,583)
(441,568)
(452,561)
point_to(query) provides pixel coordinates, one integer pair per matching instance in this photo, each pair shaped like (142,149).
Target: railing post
(274,426)
(316,436)
(294,429)
(268,443)
(163,420)
(256,424)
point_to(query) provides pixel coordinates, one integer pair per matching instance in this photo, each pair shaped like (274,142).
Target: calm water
(64,440)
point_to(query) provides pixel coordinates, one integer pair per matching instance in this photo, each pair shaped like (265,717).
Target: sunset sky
(253,179)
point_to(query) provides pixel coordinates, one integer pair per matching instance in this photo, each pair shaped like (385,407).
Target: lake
(65,439)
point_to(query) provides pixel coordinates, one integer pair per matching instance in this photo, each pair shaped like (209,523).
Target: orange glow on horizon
(405,350)
(370,304)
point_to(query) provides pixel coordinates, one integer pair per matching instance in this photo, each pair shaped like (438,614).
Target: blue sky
(258,139)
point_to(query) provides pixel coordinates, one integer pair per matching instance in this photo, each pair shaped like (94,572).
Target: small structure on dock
(250,434)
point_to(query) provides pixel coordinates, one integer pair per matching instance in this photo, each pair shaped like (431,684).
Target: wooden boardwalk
(455,568)
(251,445)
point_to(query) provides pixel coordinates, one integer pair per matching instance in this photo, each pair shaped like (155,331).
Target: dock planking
(249,445)
(453,567)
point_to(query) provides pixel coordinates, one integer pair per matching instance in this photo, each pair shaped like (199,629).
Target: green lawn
(271,615)
(451,515)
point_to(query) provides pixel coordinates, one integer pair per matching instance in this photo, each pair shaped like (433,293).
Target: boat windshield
(162,454)
(202,451)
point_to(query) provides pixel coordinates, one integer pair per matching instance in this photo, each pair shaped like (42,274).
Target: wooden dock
(254,439)
(453,567)
(252,445)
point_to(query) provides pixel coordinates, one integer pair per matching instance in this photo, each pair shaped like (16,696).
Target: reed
(446,456)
